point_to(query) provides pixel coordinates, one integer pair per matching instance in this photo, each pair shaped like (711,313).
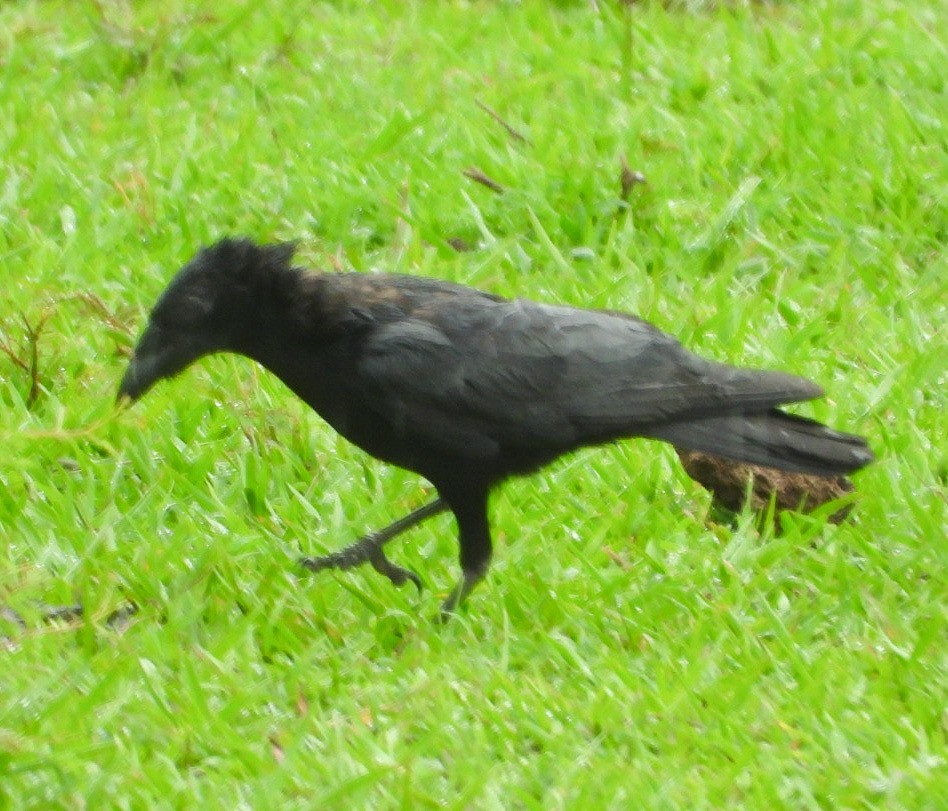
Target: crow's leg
(476,550)
(469,579)
(369,548)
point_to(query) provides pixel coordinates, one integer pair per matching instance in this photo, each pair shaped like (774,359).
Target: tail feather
(772,438)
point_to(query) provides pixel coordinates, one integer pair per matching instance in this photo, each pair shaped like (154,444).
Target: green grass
(625,652)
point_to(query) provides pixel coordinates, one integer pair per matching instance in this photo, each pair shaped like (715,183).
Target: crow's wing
(474,379)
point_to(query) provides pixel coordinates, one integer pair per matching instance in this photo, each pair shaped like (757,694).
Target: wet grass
(625,652)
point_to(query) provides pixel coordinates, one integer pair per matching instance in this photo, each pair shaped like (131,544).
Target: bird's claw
(397,574)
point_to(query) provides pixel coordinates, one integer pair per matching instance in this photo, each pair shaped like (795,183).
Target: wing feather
(476,379)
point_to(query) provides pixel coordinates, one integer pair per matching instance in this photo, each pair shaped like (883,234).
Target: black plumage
(468,388)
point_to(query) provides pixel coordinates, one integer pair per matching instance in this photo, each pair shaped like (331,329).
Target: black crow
(468,388)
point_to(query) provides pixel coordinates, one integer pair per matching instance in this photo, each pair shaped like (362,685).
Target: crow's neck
(295,328)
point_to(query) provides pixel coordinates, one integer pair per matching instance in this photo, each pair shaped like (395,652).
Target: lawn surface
(626,651)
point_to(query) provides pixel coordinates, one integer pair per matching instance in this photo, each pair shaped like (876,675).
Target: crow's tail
(772,438)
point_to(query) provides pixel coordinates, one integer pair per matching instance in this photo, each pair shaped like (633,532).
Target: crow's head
(208,307)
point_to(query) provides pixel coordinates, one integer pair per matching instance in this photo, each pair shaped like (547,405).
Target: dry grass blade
(512,131)
(478,176)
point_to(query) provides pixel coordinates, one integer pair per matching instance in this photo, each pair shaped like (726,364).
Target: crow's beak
(159,354)
(135,382)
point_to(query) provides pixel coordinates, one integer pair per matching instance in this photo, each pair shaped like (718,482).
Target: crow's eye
(182,312)
(196,307)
